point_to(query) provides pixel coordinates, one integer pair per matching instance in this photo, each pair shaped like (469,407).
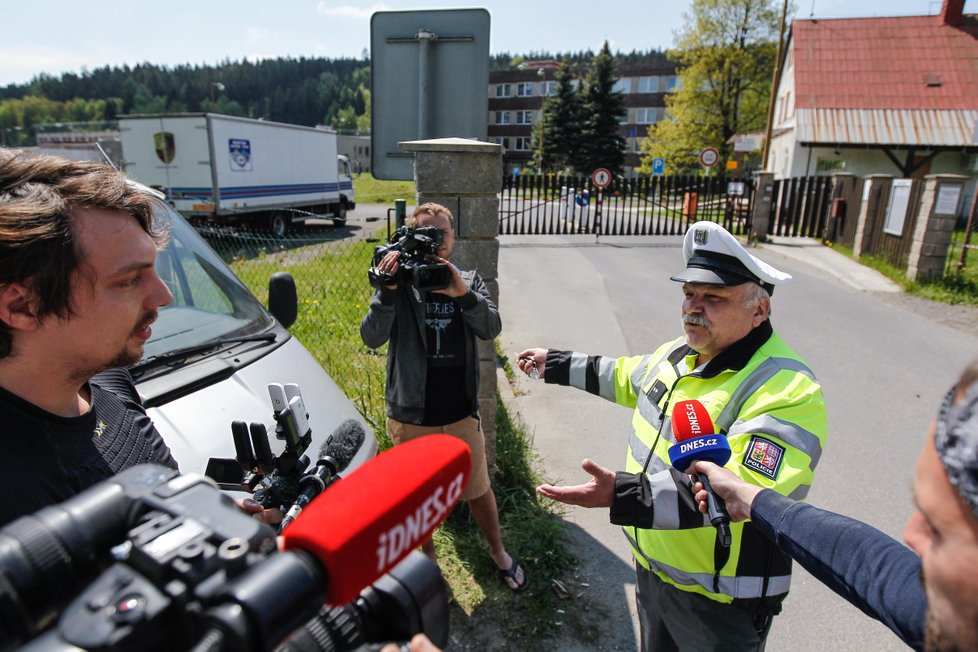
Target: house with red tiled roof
(895,95)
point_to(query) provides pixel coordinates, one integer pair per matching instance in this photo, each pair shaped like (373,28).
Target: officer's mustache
(696,320)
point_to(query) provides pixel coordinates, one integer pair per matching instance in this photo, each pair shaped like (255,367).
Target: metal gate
(800,206)
(556,205)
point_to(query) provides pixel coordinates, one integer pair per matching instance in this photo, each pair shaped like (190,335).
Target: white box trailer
(225,170)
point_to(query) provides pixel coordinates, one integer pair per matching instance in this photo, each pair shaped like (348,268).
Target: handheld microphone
(381,509)
(335,455)
(696,440)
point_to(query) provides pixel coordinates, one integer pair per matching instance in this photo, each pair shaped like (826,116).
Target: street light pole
(216,87)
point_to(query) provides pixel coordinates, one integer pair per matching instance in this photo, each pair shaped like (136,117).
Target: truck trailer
(226,170)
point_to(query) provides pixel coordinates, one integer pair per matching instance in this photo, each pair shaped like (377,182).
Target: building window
(648,84)
(623,85)
(503,90)
(502,117)
(502,141)
(646,116)
(524,117)
(672,83)
(623,118)
(524,89)
(549,88)
(522,144)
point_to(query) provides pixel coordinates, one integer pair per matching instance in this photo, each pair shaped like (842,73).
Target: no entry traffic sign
(601,178)
(709,157)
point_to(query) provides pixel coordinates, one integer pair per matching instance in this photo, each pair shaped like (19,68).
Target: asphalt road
(884,364)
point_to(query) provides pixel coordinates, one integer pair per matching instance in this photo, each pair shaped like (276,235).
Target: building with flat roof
(516,98)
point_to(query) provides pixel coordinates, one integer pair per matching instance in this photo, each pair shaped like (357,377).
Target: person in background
(433,370)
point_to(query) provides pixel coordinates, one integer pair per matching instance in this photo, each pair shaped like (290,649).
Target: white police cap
(714,256)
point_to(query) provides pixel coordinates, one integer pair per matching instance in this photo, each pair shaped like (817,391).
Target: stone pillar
(466,176)
(839,210)
(936,216)
(875,187)
(760,218)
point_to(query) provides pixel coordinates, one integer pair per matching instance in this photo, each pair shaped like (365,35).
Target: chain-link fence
(331,280)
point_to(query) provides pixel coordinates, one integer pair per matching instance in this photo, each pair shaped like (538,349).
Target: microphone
(387,507)
(696,440)
(335,455)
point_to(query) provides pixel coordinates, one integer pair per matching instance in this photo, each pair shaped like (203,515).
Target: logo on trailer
(764,456)
(165,146)
(239,150)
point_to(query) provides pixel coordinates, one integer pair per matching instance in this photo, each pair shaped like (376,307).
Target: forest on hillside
(304,91)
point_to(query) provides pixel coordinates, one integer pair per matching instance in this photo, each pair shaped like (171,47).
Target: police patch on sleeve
(764,456)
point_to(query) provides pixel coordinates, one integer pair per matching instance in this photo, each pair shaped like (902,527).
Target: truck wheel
(339,216)
(278,225)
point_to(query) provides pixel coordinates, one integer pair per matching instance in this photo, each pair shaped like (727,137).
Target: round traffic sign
(709,156)
(601,178)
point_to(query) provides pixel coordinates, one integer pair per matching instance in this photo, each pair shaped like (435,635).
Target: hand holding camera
(407,260)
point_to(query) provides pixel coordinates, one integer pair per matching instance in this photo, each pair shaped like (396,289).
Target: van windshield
(209,302)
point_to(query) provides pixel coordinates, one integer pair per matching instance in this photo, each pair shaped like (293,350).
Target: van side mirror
(283,300)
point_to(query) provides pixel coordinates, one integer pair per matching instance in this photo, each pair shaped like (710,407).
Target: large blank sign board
(429,79)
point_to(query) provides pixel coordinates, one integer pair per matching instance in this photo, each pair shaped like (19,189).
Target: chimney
(952,13)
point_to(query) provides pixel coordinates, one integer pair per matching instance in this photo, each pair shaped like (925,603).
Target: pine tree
(601,145)
(556,135)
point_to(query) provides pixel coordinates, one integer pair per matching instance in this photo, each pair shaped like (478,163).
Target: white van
(215,350)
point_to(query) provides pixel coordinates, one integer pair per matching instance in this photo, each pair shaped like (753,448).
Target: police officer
(692,591)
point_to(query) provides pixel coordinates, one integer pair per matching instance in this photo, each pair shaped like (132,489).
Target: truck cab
(347,198)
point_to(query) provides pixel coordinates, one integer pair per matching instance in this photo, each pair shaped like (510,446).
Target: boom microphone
(335,455)
(387,507)
(696,440)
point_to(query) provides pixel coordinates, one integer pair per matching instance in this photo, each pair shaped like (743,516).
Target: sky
(57,36)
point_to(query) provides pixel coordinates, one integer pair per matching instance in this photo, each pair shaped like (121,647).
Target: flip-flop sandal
(510,574)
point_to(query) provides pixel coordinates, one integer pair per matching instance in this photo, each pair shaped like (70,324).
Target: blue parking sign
(658,166)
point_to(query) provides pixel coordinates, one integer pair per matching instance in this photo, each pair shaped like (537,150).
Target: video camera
(415,246)
(282,481)
(186,568)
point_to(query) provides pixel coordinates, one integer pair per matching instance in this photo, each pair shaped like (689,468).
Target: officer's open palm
(599,492)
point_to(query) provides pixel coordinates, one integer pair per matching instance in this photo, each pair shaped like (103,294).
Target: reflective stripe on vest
(734,587)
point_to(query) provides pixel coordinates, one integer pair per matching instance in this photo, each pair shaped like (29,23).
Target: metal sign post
(601,178)
(429,73)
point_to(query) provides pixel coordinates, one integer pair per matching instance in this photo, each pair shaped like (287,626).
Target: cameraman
(433,369)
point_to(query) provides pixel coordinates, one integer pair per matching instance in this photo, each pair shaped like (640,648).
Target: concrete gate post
(937,214)
(466,176)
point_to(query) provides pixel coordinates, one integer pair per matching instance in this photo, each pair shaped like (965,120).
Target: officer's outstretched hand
(599,492)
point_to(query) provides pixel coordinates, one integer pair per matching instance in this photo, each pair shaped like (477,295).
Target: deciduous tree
(726,52)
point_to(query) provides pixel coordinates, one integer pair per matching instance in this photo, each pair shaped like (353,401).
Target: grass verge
(370,190)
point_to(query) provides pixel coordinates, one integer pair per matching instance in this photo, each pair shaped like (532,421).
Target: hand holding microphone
(696,440)
(735,493)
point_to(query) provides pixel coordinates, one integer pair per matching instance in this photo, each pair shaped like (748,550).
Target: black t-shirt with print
(446,400)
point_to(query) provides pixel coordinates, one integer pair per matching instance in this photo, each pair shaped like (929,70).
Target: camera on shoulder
(415,246)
